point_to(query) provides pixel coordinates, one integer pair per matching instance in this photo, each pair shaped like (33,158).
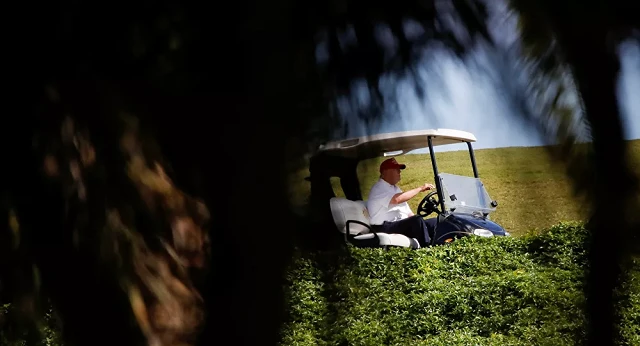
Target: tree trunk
(241,157)
(595,67)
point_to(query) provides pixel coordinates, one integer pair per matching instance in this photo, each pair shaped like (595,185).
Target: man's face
(392,175)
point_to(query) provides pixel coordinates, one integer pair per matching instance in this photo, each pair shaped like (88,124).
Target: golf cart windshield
(465,194)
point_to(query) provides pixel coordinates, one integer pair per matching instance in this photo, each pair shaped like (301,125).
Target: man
(388,207)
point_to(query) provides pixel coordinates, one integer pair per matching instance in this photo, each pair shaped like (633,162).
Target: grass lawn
(533,192)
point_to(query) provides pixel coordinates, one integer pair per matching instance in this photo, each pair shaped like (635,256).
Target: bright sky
(467,101)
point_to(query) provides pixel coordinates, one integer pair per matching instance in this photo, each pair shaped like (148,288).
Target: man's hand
(407,195)
(426,187)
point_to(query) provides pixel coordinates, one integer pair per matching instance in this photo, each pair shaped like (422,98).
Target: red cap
(391,163)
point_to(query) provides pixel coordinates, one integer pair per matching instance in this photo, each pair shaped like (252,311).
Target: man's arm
(407,195)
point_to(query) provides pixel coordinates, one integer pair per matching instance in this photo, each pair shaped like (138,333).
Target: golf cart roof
(394,143)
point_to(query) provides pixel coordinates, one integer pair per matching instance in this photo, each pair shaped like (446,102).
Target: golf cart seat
(352,220)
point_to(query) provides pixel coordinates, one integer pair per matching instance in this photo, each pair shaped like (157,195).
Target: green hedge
(44,331)
(475,291)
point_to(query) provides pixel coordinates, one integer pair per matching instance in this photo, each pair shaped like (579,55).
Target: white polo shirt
(379,207)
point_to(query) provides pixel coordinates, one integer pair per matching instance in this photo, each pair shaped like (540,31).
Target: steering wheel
(429,204)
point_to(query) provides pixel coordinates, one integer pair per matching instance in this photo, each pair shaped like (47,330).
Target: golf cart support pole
(473,160)
(435,172)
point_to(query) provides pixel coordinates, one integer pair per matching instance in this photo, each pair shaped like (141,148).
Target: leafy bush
(475,291)
(42,331)
(628,296)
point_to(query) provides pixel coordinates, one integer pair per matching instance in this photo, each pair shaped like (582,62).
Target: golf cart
(460,203)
